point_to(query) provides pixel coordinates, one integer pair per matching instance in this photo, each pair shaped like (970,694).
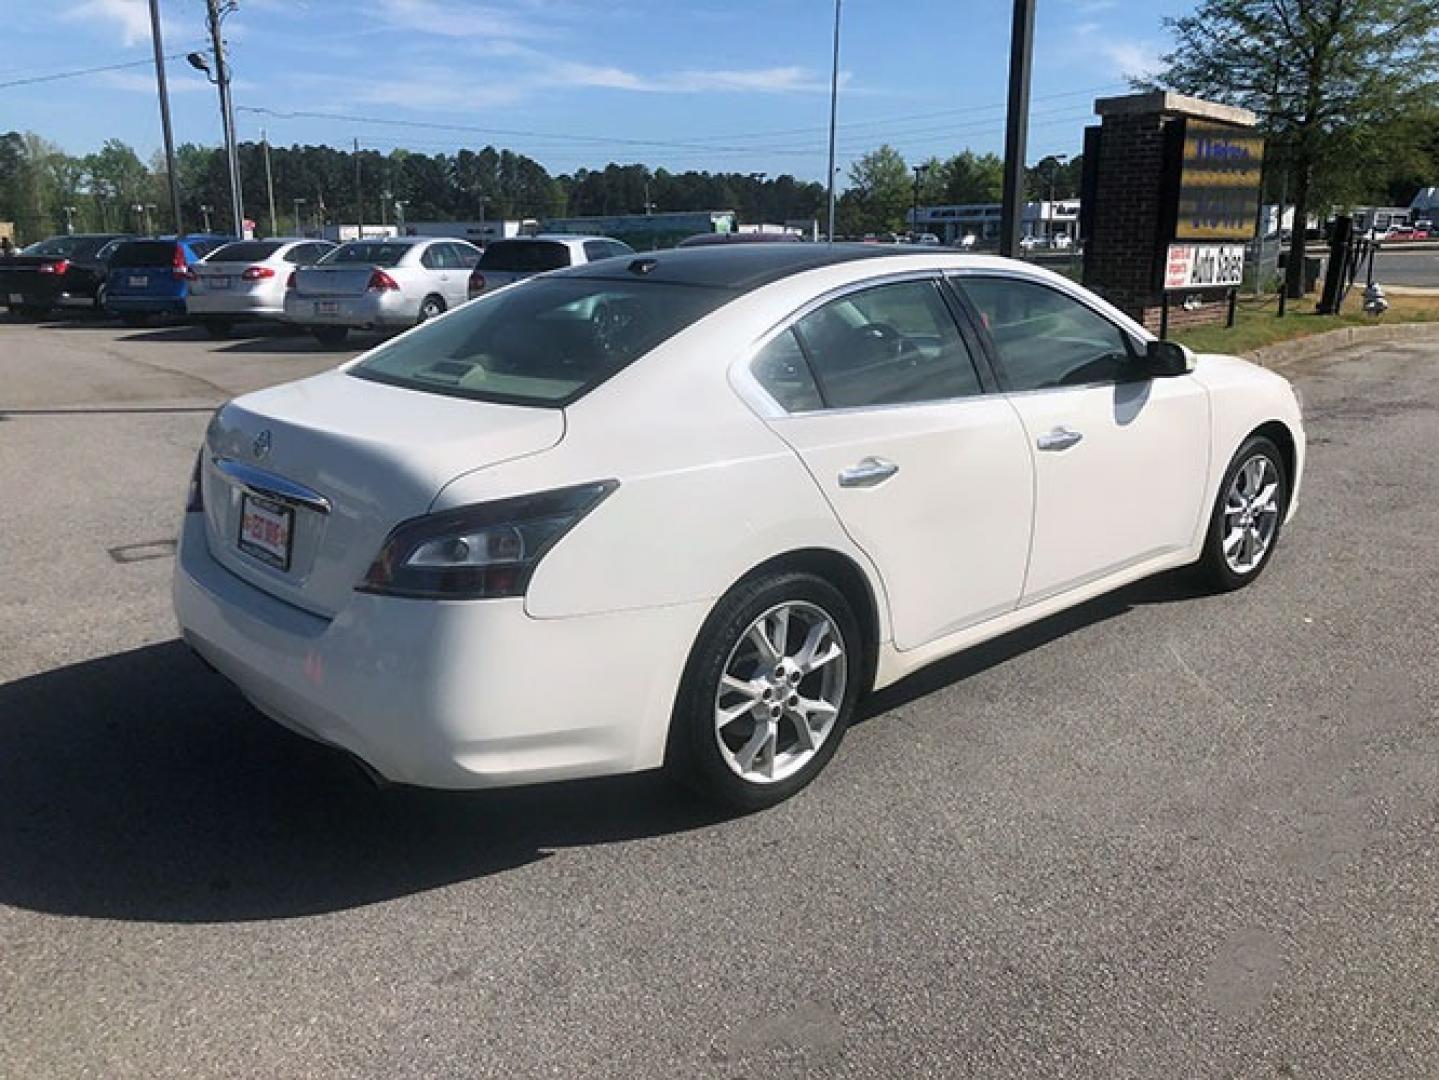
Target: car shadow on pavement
(1171,587)
(141,786)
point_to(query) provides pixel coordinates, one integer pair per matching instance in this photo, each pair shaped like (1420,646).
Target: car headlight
(482,551)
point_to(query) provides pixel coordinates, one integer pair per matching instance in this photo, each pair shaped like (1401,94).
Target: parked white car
(246,279)
(384,284)
(507,261)
(688,508)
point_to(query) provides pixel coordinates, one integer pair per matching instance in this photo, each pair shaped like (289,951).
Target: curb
(1307,348)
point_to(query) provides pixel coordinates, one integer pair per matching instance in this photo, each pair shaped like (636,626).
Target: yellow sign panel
(1219,184)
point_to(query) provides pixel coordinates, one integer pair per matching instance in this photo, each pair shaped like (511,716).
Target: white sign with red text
(1203,266)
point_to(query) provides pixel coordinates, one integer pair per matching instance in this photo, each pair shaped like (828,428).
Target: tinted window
(1045,338)
(369,253)
(201,248)
(65,246)
(465,256)
(545,342)
(435,257)
(618,249)
(144,253)
(888,345)
(525,256)
(783,371)
(245,251)
(595,250)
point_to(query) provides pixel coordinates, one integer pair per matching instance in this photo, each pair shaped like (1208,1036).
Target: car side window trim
(761,399)
(956,279)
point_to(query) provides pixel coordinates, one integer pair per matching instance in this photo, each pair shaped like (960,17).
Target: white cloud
(778,80)
(1133,59)
(144,83)
(454,20)
(130,17)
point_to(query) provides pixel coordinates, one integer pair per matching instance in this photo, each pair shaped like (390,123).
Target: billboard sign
(1219,182)
(1203,266)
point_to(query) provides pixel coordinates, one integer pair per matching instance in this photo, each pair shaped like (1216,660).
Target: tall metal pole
(227,115)
(158,40)
(1021,58)
(359,207)
(269,183)
(833,118)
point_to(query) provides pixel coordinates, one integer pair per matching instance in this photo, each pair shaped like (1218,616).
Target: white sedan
(246,279)
(686,510)
(384,284)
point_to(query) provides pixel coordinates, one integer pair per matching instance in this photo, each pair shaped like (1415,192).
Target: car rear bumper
(375,309)
(462,694)
(144,305)
(235,306)
(47,295)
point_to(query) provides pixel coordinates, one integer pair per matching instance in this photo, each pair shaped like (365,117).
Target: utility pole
(359,209)
(269,183)
(158,40)
(833,119)
(69,220)
(215,11)
(919,171)
(299,225)
(1021,58)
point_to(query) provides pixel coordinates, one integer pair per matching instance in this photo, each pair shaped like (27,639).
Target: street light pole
(919,171)
(1021,58)
(299,225)
(1055,162)
(833,119)
(205,209)
(158,40)
(269,183)
(69,220)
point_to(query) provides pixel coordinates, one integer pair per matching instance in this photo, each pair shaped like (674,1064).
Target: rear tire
(1248,513)
(332,337)
(431,308)
(736,733)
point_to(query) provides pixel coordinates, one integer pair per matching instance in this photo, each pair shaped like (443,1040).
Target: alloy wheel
(780,692)
(1251,514)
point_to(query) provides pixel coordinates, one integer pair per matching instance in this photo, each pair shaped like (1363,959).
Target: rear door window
(368,253)
(245,251)
(465,256)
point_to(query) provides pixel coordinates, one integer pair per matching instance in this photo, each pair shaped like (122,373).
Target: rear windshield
(68,247)
(245,251)
(546,342)
(144,253)
(369,254)
(525,256)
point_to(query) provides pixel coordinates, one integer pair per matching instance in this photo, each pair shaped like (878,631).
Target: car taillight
(380,282)
(477,281)
(178,267)
(479,552)
(61,266)
(257,273)
(290,281)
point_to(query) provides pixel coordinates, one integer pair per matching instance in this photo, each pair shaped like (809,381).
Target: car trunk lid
(339,279)
(339,461)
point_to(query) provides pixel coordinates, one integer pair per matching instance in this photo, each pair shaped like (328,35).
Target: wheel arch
(1277,432)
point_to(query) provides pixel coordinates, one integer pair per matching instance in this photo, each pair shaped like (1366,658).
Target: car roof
(741,267)
(552,238)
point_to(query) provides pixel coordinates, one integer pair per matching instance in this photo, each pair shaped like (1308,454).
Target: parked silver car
(246,280)
(510,260)
(380,284)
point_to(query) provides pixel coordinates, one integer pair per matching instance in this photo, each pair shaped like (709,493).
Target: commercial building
(1043,220)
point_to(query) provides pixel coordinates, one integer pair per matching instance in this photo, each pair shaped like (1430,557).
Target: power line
(55,76)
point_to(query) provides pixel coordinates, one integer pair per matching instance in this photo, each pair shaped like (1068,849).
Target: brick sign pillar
(1135,163)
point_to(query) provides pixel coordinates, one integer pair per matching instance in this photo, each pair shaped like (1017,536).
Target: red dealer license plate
(266,530)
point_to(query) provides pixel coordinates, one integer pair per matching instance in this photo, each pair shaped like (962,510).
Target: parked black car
(64,271)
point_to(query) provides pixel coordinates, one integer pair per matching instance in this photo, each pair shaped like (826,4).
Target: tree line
(43,189)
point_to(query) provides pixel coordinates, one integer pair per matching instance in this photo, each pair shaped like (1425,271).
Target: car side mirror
(1165,358)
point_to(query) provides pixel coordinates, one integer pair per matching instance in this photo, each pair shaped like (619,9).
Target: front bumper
(373,309)
(460,694)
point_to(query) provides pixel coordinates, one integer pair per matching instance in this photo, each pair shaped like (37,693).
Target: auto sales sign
(1203,266)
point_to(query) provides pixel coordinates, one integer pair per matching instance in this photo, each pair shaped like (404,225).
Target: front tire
(768,691)
(1248,512)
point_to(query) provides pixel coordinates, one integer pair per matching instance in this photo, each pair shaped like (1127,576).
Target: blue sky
(741,85)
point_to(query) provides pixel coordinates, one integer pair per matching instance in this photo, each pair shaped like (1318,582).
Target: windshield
(525,256)
(144,253)
(548,341)
(245,251)
(69,247)
(370,254)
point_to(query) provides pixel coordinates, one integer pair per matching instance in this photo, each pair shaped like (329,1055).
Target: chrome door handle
(870,472)
(1060,438)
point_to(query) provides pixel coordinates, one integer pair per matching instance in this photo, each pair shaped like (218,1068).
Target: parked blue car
(152,276)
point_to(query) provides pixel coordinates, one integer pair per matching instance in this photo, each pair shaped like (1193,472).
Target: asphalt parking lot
(1162,835)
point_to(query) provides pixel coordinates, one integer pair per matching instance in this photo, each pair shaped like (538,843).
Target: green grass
(1257,324)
